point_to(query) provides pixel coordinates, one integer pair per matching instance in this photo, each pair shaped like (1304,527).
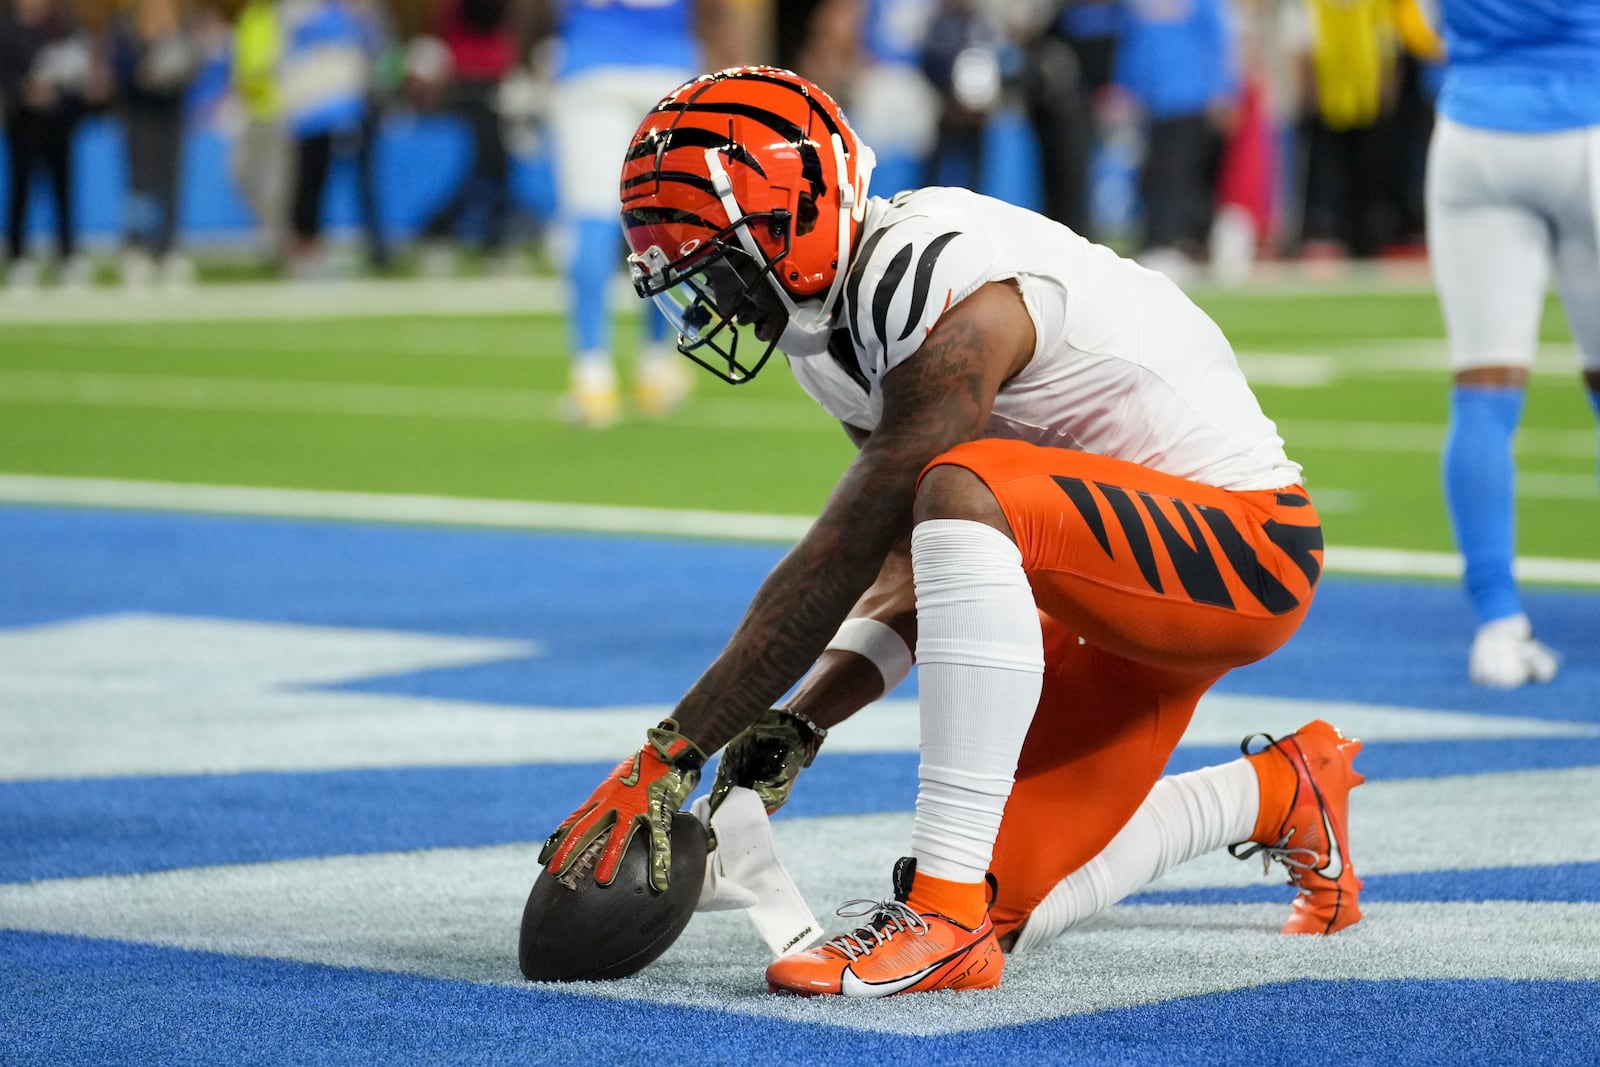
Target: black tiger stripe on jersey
(852,288)
(843,352)
(1192,559)
(883,295)
(924,279)
(1297,542)
(1128,518)
(1263,585)
(1083,500)
(1133,529)
(888,285)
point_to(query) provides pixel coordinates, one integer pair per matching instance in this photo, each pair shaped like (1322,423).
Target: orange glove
(646,788)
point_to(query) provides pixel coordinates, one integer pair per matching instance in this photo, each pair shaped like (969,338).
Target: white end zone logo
(155,695)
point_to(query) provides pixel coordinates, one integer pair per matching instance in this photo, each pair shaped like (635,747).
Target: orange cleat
(899,951)
(1313,841)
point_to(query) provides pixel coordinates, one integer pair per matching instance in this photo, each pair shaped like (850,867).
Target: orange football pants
(1150,588)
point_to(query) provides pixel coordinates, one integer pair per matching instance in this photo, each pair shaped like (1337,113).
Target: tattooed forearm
(932,402)
(802,601)
(944,393)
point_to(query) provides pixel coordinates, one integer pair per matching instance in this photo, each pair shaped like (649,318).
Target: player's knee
(951,492)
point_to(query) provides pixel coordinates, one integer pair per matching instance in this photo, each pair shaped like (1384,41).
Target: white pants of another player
(1505,211)
(596,114)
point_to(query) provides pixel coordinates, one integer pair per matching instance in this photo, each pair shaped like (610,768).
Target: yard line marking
(1425,438)
(394,507)
(364,297)
(596,518)
(1551,486)
(309,398)
(380,400)
(353,298)
(366,399)
(1322,364)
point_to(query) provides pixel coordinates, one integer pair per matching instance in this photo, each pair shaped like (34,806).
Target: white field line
(173,392)
(714,411)
(1382,358)
(545,294)
(457,511)
(359,298)
(263,301)
(1420,437)
(261,344)
(393,507)
(367,400)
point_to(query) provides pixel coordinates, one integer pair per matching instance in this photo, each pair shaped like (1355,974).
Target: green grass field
(466,406)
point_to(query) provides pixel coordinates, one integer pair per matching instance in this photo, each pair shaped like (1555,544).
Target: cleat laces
(1297,861)
(1293,859)
(889,917)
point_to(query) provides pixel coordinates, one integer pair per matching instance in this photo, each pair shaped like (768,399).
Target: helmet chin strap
(809,323)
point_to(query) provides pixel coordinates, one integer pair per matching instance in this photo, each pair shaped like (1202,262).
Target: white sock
(1185,815)
(656,353)
(980,655)
(593,371)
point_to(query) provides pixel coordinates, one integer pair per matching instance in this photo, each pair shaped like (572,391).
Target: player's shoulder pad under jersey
(909,271)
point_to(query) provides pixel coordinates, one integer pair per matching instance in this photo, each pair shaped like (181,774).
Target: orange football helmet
(742,193)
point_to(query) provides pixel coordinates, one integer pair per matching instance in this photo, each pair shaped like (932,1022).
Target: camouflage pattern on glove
(647,788)
(766,758)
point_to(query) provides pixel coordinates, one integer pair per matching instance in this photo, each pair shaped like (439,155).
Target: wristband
(879,643)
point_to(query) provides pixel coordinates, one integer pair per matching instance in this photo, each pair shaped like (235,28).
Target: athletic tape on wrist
(879,643)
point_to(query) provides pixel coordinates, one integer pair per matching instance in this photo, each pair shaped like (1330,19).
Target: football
(576,930)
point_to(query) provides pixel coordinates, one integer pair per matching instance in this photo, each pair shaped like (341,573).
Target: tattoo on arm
(932,402)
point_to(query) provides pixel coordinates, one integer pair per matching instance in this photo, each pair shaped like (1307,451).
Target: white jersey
(1124,364)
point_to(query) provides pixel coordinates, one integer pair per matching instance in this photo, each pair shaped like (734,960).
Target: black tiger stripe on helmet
(757,170)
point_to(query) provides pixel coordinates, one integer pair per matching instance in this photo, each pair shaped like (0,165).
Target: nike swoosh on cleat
(1335,865)
(851,986)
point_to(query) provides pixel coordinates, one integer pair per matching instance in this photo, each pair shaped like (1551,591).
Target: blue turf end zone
(620,623)
(76,1001)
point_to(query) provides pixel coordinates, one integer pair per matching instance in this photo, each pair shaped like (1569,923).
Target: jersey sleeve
(910,274)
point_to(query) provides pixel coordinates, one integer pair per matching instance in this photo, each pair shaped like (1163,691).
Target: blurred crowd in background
(323,137)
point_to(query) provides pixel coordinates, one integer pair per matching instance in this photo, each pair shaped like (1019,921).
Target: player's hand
(647,788)
(767,757)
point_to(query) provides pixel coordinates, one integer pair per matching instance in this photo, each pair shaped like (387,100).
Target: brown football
(574,929)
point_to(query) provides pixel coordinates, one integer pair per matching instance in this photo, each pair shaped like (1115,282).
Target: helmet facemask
(720,298)
(786,180)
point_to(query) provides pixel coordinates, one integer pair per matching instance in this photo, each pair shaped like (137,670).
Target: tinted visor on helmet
(720,300)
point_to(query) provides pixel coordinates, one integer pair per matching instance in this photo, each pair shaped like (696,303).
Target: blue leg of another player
(1594,396)
(661,376)
(592,398)
(1479,484)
